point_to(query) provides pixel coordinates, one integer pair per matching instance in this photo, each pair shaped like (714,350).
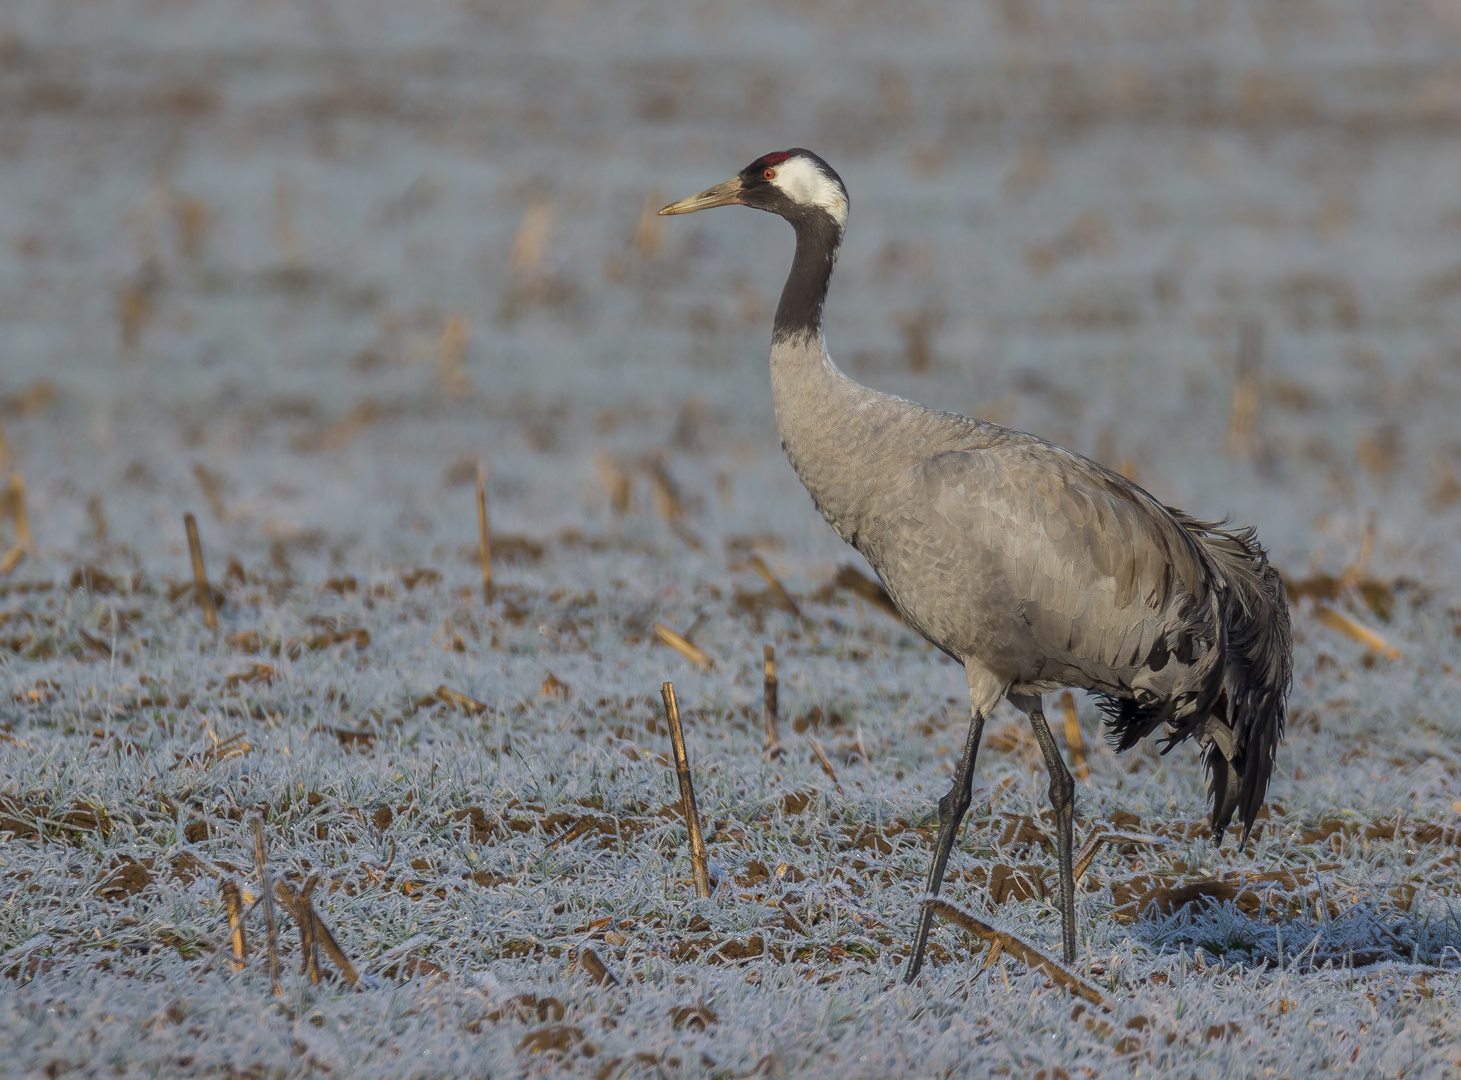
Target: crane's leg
(1062,800)
(984,695)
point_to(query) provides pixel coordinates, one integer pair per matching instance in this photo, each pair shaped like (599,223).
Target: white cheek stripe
(804,183)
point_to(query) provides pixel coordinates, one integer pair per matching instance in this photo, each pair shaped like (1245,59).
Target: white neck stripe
(805,184)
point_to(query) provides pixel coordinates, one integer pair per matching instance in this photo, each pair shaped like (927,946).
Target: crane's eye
(769,174)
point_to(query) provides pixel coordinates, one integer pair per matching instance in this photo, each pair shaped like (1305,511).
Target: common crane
(1034,567)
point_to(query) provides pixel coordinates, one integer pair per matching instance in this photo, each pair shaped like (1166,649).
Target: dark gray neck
(800,312)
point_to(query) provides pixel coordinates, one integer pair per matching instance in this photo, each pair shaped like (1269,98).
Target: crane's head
(795,183)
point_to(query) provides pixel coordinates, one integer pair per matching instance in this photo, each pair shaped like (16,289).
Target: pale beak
(726,194)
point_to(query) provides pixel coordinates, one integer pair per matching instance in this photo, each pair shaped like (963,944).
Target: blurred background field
(302,268)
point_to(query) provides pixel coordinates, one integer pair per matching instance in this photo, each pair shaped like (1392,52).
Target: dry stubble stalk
(233,903)
(201,589)
(597,970)
(1102,835)
(17,510)
(266,895)
(1355,573)
(304,915)
(98,515)
(668,502)
(302,911)
(332,948)
(13,504)
(1024,951)
(616,483)
(772,706)
(582,827)
(453,352)
(649,233)
(821,754)
(684,646)
(484,538)
(1243,418)
(1355,632)
(1074,741)
(445,695)
(991,956)
(778,590)
(687,791)
(212,485)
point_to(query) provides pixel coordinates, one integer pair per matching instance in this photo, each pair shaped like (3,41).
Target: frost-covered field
(299,269)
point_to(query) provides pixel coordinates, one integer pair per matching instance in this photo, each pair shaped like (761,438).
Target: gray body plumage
(1034,567)
(1001,549)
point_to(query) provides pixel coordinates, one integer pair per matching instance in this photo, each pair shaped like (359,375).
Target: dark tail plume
(1257,669)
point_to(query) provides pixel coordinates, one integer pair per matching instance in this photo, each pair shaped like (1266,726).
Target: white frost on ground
(1062,218)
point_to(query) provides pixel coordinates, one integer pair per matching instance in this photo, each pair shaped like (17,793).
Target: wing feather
(1098,570)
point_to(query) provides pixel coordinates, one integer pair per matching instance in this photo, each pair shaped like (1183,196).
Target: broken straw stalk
(445,695)
(770,701)
(687,792)
(668,502)
(202,590)
(267,898)
(14,505)
(298,905)
(16,499)
(1007,942)
(1074,741)
(683,646)
(1355,632)
(597,970)
(233,902)
(313,932)
(484,538)
(1001,941)
(821,754)
(616,483)
(333,950)
(1243,417)
(778,590)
